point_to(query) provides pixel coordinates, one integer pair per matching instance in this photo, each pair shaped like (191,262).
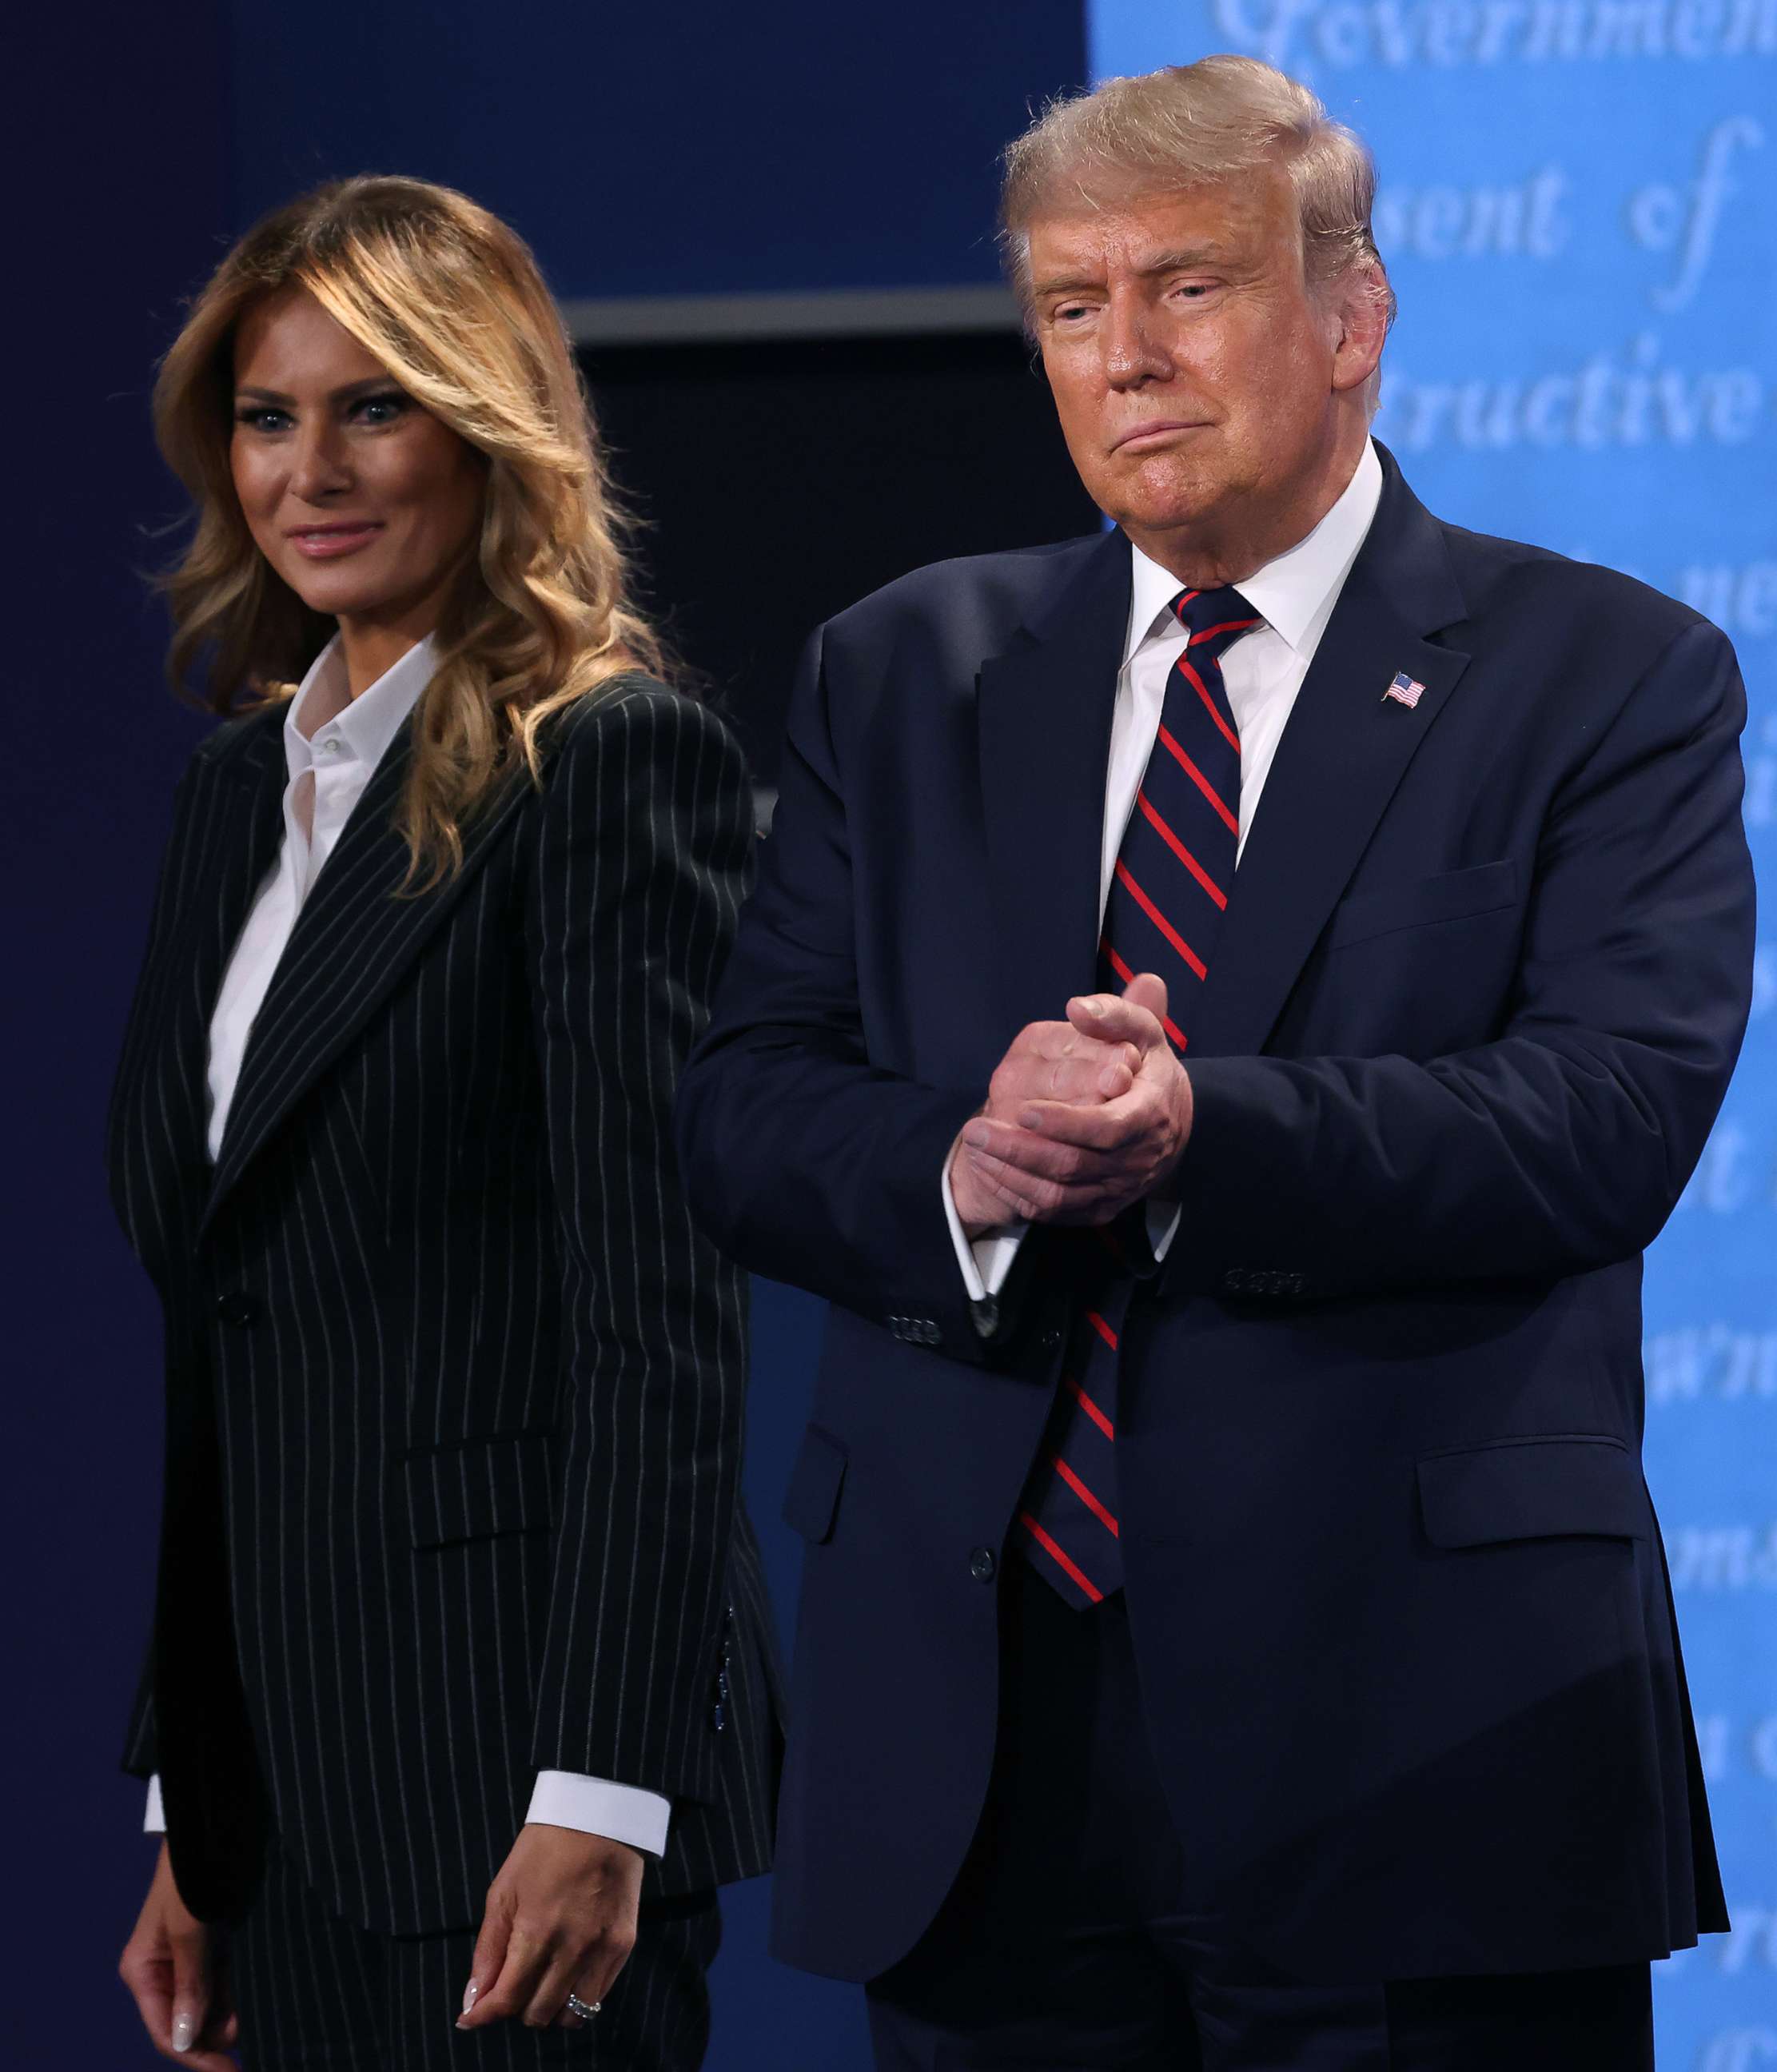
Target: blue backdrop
(1578,209)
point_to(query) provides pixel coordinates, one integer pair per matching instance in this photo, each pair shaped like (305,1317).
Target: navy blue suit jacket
(1397,1592)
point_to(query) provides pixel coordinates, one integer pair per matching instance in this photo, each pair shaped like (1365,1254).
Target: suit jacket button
(236,1308)
(1049,1339)
(981,1565)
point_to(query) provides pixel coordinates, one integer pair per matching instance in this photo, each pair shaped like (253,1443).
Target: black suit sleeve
(807,1162)
(1564,1144)
(644,848)
(181,872)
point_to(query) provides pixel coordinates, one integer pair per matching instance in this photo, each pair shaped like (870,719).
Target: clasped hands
(1084,1117)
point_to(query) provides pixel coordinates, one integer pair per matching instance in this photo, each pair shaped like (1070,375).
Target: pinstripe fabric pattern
(315,1993)
(455,1391)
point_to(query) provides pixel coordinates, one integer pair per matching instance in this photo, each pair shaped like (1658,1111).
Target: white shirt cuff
(1162,1226)
(561,1798)
(594,1805)
(987,1262)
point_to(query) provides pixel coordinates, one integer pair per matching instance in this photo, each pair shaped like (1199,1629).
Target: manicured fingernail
(469,1993)
(977,1136)
(184,2029)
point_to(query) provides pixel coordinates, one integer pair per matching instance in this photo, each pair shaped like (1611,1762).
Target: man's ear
(1361,303)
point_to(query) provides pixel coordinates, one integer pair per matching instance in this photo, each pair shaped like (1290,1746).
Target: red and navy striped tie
(1174,872)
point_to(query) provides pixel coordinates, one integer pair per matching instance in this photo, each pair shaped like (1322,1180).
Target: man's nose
(319,468)
(1132,353)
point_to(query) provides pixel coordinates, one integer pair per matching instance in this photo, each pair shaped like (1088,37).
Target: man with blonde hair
(1228,1004)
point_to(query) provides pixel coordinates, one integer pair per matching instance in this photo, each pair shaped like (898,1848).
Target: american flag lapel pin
(1405,690)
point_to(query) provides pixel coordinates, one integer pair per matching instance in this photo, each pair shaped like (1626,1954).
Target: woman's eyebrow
(339,395)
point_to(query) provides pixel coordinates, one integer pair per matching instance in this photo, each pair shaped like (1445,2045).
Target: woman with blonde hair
(462,1690)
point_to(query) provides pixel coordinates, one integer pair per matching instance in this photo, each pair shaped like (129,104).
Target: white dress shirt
(1262,672)
(332,744)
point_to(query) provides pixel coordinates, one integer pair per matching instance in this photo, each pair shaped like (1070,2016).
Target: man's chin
(1169,517)
(1161,501)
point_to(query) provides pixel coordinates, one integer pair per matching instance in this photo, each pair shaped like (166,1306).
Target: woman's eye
(261,417)
(380,409)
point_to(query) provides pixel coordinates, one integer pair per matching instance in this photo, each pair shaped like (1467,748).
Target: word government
(1293,34)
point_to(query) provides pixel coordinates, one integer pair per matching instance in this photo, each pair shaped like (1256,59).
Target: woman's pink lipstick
(327,543)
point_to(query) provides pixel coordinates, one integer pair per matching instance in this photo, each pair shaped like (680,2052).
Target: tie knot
(1214,618)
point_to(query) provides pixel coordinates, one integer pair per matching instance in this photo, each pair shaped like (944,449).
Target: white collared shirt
(332,745)
(1261,672)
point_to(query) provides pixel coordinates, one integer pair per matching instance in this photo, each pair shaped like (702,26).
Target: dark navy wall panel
(657,149)
(117,176)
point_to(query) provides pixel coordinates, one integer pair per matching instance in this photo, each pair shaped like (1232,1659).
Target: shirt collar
(324,705)
(1295,593)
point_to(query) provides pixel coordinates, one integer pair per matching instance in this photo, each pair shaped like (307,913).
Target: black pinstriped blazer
(453,1388)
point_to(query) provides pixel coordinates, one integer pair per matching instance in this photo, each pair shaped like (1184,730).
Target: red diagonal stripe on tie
(1227,626)
(1200,781)
(1086,1496)
(1210,705)
(1159,919)
(1179,1039)
(1059,1558)
(1090,1408)
(1178,849)
(1102,1328)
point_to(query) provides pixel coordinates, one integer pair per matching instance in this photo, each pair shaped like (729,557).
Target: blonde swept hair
(1191,125)
(452,304)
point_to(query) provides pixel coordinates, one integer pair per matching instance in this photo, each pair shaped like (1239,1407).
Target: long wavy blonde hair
(451,302)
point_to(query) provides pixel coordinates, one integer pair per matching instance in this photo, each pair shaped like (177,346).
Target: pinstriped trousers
(315,1994)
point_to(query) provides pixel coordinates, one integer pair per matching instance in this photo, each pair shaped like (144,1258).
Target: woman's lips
(327,543)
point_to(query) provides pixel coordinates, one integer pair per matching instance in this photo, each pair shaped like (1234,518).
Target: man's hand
(560,1919)
(167,1965)
(1057,1160)
(1048,1061)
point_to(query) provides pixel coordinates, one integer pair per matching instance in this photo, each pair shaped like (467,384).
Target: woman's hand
(167,1964)
(560,1919)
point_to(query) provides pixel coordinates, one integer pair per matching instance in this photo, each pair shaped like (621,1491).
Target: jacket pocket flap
(474,1491)
(1452,897)
(812,1500)
(1533,1489)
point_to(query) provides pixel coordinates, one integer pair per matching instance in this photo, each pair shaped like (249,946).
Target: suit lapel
(1343,752)
(355,937)
(1044,727)
(160,1097)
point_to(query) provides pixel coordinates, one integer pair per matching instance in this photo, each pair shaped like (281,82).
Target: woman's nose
(319,469)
